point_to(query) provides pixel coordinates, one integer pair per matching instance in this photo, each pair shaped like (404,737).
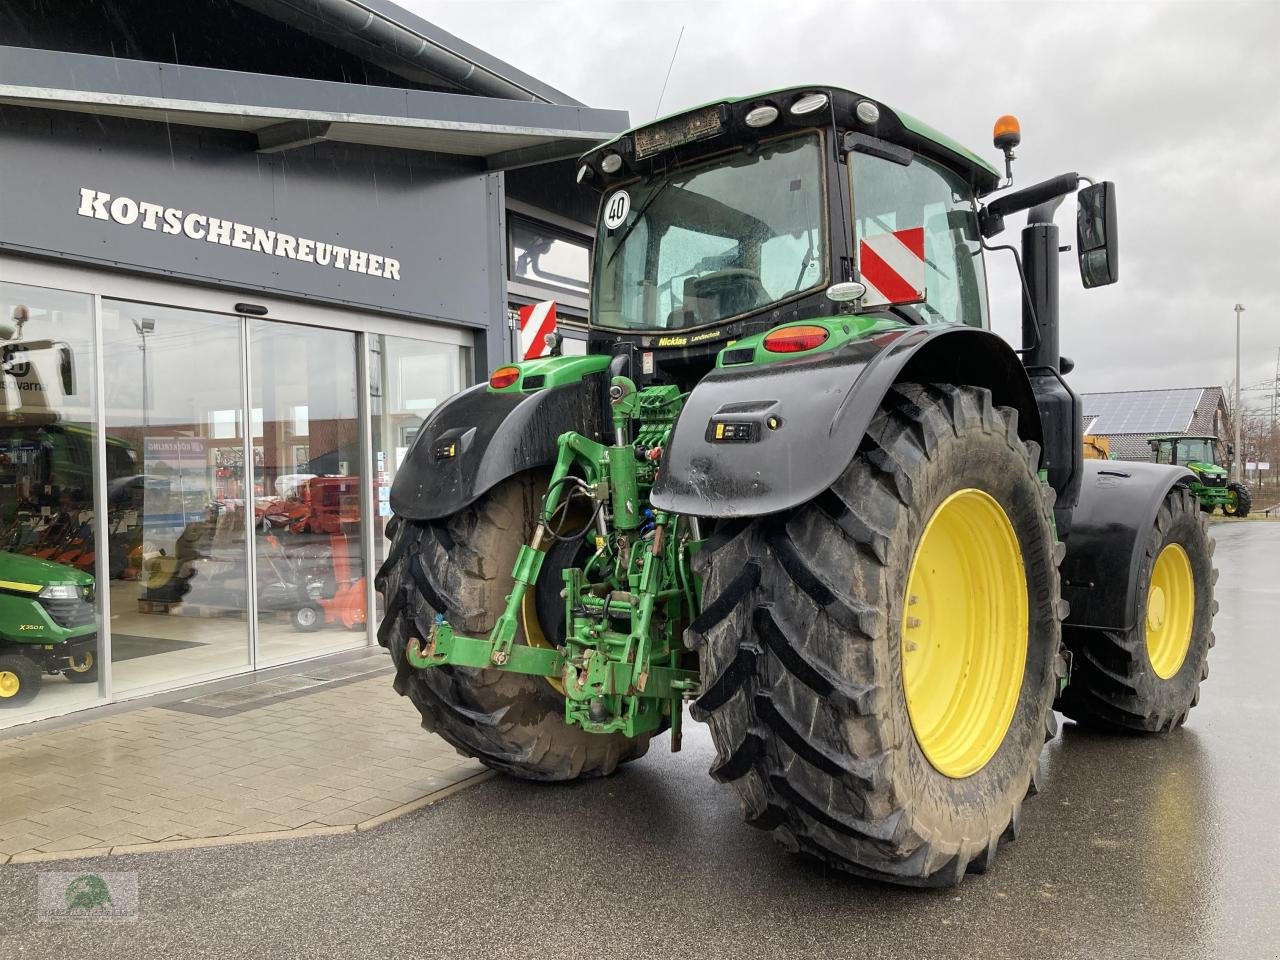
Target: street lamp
(1239,413)
(144,325)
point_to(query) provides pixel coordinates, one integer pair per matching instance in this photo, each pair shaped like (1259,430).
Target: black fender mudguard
(479,437)
(1101,572)
(822,405)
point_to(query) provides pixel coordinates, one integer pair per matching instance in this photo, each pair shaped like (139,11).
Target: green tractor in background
(798,482)
(1211,486)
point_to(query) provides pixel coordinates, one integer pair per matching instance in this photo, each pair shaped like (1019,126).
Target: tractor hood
(1207,469)
(19,568)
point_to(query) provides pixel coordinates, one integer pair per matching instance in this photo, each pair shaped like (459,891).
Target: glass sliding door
(177,492)
(408,378)
(308,486)
(50,609)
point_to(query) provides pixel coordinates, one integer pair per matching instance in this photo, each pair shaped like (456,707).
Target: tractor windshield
(701,246)
(1197,449)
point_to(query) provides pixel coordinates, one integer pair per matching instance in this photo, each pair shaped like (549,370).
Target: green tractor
(47,625)
(798,482)
(1211,486)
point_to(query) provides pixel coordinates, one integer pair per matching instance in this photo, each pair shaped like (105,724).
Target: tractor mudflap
(1110,526)
(479,438)
(798,423)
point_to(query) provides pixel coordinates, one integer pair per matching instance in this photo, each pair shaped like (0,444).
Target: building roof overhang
(286,112)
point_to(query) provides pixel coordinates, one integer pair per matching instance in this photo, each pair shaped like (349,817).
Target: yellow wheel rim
(1171,611)
(534,635)
(9,684)
(964,633)
(85,665)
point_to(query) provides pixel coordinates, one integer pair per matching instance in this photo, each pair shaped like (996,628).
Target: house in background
(1128,418)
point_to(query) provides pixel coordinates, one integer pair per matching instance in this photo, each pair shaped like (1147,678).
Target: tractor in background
(1211,486)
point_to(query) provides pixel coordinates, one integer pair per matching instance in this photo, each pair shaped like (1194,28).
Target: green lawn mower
(1210,486)
(47,625)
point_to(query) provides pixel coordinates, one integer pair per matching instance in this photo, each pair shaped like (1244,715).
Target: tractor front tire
(1242,502)
(461,566)
(20,679)
(1147,679)
(848,669)
(84,671)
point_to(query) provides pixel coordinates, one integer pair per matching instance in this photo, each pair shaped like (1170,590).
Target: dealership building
(245,246)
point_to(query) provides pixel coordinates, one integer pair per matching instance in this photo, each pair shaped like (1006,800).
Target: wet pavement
(1136,847)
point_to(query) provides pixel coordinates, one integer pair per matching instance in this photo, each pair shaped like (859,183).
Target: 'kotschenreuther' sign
(199,226)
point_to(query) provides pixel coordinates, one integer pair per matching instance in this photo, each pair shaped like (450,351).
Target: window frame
(584,241)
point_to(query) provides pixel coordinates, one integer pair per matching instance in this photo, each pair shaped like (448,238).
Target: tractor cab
(1198,454)
(794,205)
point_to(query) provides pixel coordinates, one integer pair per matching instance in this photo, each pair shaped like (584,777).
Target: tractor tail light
(796,339)
(504,377)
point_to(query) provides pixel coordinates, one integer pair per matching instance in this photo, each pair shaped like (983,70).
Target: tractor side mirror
(1155,446)
(1096,234)
(1231,449)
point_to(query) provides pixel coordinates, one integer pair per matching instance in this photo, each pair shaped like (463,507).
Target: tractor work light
(1007,133)
(809,103)
(612,163)
(867,112)
(504,377)
(583,173)
(761,116)
(796,339)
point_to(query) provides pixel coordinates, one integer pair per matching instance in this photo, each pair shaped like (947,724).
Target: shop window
(50,617)
(177,551)
(310,561)
(547,256)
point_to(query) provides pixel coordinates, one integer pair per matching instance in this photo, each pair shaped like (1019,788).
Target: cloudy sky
(1178,103)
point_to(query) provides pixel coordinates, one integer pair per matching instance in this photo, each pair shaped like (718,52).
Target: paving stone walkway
(328,750)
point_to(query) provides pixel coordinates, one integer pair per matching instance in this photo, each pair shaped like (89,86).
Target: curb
(196,843)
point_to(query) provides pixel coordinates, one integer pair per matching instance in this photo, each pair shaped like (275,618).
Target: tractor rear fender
(1109,530)
(480,437)
(791,427)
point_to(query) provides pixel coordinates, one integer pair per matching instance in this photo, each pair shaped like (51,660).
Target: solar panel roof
(1142,411)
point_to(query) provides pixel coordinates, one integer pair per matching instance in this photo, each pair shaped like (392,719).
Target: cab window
(890,197)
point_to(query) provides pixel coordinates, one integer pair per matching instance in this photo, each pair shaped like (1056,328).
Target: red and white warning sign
(536,321)
(891,266)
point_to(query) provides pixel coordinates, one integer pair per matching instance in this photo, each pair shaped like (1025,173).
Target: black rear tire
(801,650)
(1114,685)
(20,679)
(1243,504)
(461,566)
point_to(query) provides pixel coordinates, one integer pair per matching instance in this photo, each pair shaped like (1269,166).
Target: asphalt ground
(1136,847)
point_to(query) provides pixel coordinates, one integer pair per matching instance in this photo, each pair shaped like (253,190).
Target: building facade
(245,246)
